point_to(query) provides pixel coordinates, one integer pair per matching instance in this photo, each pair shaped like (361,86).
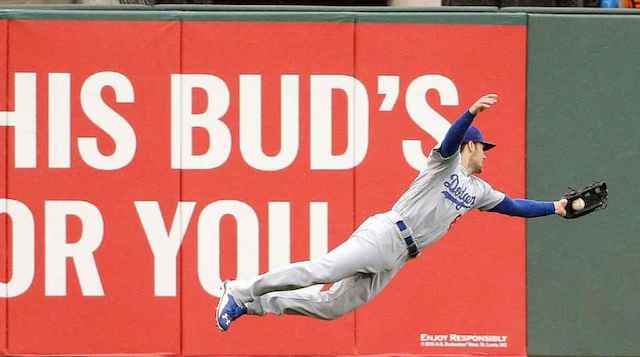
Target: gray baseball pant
(359,269)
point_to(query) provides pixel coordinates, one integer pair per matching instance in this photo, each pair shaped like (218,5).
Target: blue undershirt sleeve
(524,208)
(452,140)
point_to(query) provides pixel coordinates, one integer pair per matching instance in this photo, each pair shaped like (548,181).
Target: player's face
(477,157)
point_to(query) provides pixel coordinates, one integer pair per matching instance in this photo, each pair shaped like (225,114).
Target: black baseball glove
(594,196)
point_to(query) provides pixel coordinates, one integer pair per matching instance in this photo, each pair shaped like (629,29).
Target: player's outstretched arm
(455,134)
(530,208)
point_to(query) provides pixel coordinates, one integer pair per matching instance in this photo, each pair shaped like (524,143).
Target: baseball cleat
(228,309)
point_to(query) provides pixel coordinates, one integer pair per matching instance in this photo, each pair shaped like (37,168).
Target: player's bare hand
(485,102)
(561,207)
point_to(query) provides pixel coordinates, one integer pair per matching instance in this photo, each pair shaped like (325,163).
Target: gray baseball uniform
(365,263)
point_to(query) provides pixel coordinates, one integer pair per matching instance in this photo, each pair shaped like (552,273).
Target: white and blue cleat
(228,309)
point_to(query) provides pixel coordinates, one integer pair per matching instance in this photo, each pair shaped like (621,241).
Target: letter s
(426,117)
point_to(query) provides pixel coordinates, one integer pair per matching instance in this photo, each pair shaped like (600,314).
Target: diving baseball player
(363,265)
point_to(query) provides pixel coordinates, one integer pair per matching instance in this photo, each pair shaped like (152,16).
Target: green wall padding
(583,123)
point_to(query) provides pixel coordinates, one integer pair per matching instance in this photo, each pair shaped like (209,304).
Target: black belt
(412,247)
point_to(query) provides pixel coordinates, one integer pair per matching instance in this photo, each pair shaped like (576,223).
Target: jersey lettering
(457,194)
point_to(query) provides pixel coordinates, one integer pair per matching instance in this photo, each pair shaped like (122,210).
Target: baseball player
(363,265)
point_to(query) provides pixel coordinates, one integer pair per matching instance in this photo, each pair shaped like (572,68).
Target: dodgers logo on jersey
(457,194)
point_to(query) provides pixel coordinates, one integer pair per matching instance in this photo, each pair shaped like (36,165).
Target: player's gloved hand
(585,201)
(485,102)
(561,207)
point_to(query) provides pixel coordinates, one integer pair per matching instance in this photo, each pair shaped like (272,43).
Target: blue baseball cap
(474,134)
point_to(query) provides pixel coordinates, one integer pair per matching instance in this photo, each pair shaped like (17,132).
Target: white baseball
(577,204)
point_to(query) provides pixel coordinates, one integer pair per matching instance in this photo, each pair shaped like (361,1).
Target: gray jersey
(441,194)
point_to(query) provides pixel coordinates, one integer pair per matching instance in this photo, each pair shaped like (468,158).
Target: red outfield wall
(154,159)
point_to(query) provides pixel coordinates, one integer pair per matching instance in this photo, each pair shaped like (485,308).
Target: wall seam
(526,184)
(354,216)
(6,191)
(180,185)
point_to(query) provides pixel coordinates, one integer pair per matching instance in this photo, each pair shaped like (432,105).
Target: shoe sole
(221,304)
